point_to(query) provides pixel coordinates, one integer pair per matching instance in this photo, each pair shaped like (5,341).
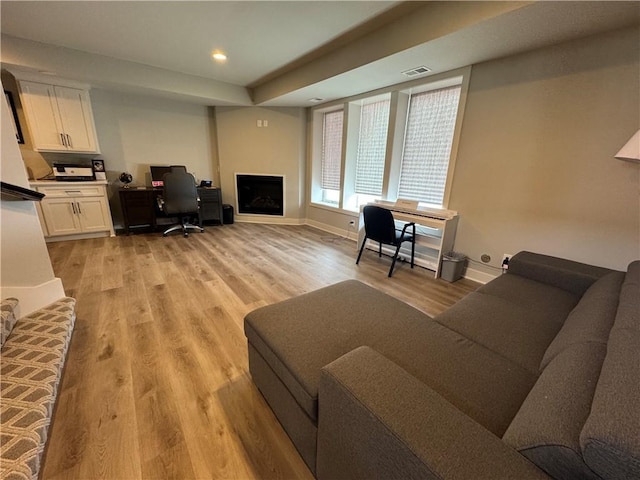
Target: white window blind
(427,147)
(372,144)
(331,149)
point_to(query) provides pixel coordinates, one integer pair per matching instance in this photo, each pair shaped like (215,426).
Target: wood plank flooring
(156,383)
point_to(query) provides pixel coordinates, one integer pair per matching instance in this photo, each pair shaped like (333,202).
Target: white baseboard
(478,276)
(268,219)
(341,232)
(78,236)
(35,297)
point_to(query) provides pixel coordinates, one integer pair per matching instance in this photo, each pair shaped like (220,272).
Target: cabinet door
(43,116)
(94,214)
(77,119)
(60,216)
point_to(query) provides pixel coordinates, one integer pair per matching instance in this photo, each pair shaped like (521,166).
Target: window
(372,146)
(431,123)
(398,142)
(331,155)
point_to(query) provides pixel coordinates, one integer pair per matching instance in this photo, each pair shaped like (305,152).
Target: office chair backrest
(378,224)
(180,193)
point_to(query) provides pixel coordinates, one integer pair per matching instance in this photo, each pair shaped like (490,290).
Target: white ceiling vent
(416,71)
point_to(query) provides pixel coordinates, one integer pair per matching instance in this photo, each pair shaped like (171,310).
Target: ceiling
(281,53)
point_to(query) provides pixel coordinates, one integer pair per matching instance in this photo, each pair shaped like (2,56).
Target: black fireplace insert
(260,194)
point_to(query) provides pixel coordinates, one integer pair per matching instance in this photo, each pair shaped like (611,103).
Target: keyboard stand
(435,233)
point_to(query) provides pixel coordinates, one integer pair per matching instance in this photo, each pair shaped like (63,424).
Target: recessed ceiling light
(219,56)
(316,100)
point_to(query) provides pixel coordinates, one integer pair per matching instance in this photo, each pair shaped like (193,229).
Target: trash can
(453,266)
(227,214)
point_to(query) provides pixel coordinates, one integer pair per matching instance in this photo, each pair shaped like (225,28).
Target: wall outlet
(506,258)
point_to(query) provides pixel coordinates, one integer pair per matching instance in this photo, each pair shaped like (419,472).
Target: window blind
(372,145)
(331,149)
(427,147)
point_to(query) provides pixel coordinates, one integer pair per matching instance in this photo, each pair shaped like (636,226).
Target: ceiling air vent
(416,71)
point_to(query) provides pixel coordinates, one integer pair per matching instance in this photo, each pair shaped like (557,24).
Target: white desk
(435,233)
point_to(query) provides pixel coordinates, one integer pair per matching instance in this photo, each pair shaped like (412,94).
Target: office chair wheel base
(164,234)
(185,234)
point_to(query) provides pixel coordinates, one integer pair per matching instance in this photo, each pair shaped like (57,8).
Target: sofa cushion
(610,440)
(547,427)
(572,276)
(298,337)
(591,320)
(7,318)
(513,316)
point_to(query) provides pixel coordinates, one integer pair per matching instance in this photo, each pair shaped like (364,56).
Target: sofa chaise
(534,375)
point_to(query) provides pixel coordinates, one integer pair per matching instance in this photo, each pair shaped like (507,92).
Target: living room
(535,167)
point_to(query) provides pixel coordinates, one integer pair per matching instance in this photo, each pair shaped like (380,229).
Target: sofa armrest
(378,421)
(568,275)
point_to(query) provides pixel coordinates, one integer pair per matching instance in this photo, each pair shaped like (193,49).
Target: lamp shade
(631,150)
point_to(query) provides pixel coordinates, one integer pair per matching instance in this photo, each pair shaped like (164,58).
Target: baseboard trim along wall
(268,219)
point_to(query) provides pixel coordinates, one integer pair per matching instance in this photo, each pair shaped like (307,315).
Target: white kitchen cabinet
(74,209)
(59,117)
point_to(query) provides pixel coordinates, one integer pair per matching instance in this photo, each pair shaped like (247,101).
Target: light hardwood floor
(156,383)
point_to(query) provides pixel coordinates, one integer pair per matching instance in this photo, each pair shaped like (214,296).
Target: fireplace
(260,194)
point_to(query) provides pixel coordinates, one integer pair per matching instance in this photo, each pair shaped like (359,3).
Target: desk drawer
(139,198)
(70,191)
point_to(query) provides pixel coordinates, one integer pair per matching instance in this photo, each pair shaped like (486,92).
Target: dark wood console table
(140,206)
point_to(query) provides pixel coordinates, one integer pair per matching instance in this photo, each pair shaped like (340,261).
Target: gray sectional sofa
(534,375)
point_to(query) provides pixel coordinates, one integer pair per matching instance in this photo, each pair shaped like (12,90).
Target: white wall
(136,131)
(26,271)
(278,149)
(535,167)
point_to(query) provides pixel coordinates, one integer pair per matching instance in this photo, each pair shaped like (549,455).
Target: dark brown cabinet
(140,207)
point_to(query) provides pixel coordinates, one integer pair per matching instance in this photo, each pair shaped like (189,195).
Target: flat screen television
(158,171)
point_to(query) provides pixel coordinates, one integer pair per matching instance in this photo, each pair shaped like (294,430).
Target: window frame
(318,193)
(399,95)
(413,95)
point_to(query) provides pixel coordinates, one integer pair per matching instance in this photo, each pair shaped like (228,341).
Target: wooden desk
(140,206)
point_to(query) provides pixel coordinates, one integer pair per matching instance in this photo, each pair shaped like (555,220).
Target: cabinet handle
(73,207)
(62,139)
(69,192)
(79,211)
(69,143)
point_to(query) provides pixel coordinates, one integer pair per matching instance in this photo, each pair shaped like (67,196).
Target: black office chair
(180,199)
(380,227)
